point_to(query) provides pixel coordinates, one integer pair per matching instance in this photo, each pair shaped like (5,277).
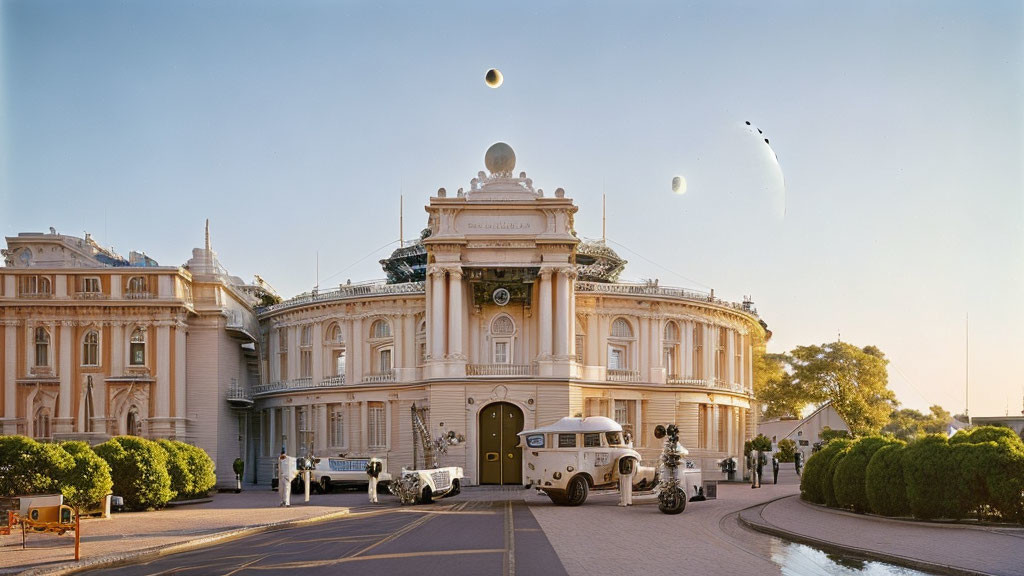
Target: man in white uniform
(284,478)
(373,470)
(627,467)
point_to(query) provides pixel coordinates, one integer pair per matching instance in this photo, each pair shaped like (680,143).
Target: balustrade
(501,370)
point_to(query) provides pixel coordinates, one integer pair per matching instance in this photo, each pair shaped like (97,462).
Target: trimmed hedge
(87,480)
(980,471)
(815,470)
(30,467)
(138,468)
(884,485)
(850,479)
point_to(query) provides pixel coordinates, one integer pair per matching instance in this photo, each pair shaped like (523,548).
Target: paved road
(444,539)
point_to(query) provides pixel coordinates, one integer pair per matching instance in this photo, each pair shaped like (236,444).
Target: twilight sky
(295,126)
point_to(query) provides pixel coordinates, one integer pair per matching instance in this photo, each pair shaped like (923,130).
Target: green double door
(501,461)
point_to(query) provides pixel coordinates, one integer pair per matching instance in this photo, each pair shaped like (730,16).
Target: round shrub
(201,467)
(929,474)
(787,450)
(1005,481)
(182,483)
(138,468)
(985,434)
(815,469)
(990,472)
(828,484)
(884,485)
(851,473)
(30,467)
(87,481)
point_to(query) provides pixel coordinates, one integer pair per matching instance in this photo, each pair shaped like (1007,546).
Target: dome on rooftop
(596,262)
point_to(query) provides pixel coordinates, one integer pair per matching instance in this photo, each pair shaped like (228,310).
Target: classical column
(545,313)
(322,442)
(116,349)
(455,313)
(438,316)
(730,429)
(562,313)
(293,352)
(643,347)
(65,419)
(571,290)
(355,353)
(730,359)
(318,352)
(273,436)
(180,380)
(686,360)
(409,351)
(708,354)
(593,356)
(10,374)
(163,370)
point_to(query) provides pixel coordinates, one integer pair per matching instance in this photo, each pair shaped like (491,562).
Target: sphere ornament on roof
(500,159)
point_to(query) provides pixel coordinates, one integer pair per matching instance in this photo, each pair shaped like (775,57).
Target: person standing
(627,467)
(373,469)
(284,478)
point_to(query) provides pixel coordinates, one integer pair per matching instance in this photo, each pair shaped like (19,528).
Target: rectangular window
(702,426)
(337,425)
(376,426)
(306,363)
(616,358)
(339,362)
(670,361)
(592,440)
(422,352)
(625,415)
(566,440)
(501,353)
(385,360)
(283,365)
(91,285)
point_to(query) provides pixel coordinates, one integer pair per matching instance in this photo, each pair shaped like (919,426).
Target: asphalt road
(445,539)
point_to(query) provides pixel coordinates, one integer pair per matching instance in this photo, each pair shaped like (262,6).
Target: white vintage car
(422,486)
(574,455)
(332,472)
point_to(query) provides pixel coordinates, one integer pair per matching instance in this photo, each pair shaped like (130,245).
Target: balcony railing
(332,381)
(239,396)
(622,375)
(35,295)
(388,376)
(651,289)
(139,295)
(345,291)
(684,381)
(90,296)
(501,370)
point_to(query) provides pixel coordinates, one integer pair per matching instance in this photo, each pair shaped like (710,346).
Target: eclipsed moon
(494,78)
(679,185)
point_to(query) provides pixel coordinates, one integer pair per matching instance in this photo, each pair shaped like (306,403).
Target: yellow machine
(59,519)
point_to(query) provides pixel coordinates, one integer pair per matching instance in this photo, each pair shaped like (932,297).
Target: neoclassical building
(95,345)
(496,319)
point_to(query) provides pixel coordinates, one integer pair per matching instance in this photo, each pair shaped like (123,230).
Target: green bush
(885,487)
(30,467)
(828,483)
(990,472)
(201,467)
(787,450)
(87,481)
(1005,481)
(851,473)
(929,472)
(984,434)
(138,468)
(182,483)
(815,470)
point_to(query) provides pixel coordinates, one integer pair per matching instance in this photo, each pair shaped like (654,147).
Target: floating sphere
(494,78)
(679,185)
(500,159)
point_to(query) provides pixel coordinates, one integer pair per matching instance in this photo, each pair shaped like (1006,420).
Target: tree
(853,379)
(87,481)
(907,424)
(774,390)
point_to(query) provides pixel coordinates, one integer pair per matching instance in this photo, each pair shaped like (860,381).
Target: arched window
(380,329)
(621,328)
(502,326)
(503,331)
(42,423)
(137,285)
(91,349)
(620,348)
(334,334)
(671,350)
(42,347)
(336,343)
(137,348)
(421,342)
(132,424)
(44,285)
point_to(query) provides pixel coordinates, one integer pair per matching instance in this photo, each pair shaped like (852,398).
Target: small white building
(805,432)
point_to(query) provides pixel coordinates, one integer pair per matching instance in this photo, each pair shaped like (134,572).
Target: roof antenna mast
(401,225)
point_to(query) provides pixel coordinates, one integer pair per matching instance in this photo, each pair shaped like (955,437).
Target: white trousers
(625,489)
(372,490)
(285,488)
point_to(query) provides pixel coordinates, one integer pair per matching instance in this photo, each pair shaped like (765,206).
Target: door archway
(501,461)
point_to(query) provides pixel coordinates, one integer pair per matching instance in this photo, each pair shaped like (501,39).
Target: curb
(132,557)
(863,553)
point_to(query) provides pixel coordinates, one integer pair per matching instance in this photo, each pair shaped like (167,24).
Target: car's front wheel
(576,491)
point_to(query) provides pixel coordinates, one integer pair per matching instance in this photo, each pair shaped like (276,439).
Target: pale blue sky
(294,127)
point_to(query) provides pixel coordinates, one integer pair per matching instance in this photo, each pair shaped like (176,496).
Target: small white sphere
(500,159)
(679,185)
(493,78)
